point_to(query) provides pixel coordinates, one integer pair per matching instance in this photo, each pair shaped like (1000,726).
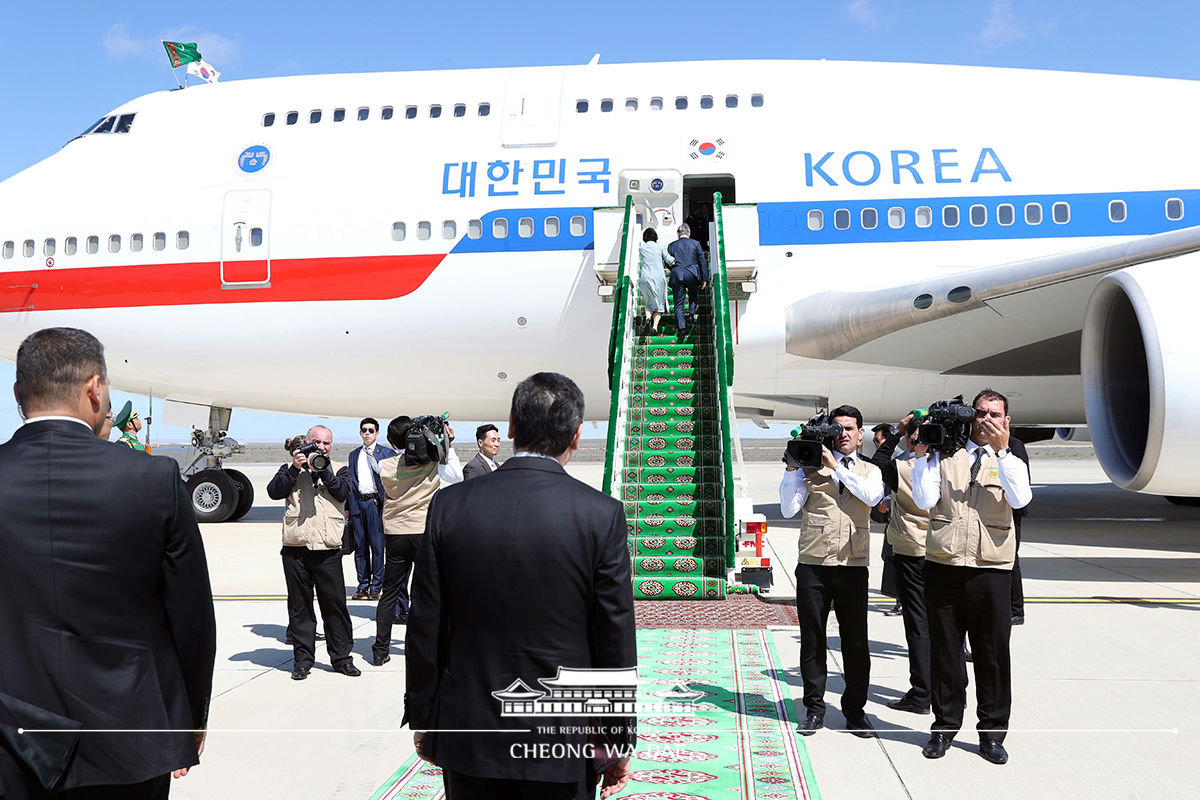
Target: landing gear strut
(217,494)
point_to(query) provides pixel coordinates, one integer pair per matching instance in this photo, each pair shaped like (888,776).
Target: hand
(883,507)
(902,426)
(200,737)
(450,433)
(703,285)
(828,459)
(419,743)
(996,432)
(614,778)
(299,460)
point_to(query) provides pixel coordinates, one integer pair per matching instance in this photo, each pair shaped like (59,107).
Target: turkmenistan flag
(181,53)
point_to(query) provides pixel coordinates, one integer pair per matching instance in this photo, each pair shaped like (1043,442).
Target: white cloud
(861,12)
(119,45)
(1001,27)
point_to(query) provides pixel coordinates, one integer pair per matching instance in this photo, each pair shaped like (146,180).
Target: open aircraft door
(245,239)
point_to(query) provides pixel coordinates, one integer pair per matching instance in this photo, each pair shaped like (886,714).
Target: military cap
(122,417)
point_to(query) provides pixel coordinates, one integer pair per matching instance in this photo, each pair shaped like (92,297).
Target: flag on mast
(204,71)
(181,53)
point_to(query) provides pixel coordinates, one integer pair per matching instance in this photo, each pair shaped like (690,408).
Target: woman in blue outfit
(654,259)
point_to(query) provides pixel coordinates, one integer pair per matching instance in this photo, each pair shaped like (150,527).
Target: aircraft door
(532,107)
(657,197)
(245,238)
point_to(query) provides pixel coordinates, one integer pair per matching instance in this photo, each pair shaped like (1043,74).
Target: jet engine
(1141,376)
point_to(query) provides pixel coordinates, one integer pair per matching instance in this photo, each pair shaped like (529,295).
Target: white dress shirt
(1014,478)
(70,419)
(793,491)
(366,483)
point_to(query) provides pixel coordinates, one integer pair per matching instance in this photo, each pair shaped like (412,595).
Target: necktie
(846,464)
(979,454)
(371,460)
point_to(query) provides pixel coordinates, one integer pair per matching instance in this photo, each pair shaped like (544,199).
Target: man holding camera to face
(314,490)
(835,490)
(971,491)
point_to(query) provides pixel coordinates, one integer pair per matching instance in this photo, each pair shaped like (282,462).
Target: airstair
(673,446)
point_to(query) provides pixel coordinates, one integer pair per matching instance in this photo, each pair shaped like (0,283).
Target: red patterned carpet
(745,611)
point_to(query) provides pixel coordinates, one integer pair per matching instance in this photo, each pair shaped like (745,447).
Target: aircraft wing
(1019,318)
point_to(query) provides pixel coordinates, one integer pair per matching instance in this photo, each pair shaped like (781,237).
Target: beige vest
(409,491)
(835,530)
(313,519)
(908,525)
(971,526)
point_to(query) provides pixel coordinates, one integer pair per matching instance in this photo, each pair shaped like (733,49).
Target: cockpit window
(91,127)
(124,123)
(106,126)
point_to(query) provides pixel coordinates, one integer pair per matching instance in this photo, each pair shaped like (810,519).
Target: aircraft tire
(245,494)
(214,495)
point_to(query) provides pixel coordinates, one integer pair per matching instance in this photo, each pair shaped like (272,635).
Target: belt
(370,496)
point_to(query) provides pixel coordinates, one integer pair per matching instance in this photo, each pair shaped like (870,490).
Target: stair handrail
(723,346)
(625,300)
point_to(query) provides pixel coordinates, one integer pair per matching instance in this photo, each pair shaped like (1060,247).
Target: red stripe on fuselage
(356,278)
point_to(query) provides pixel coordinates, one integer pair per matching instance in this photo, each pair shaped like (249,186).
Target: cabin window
(1005,214)
(1174,208)
(950,216)
(27,248)
(114,243)
(182,240)
(48,247)
(256,237)
(93,245)
(160,241)
(550,227)
(460,110)
(731,101)
(841,219)
(474,228)
(581,106)
(895,217)
(449,229)
(293,117)
(869,218)
(268,120)
(9,249)
(385,112)
(399,231)
(525,227)
(631,104)
(424,230)
(816,219)
(606,105)
(410,112)
(978,215)
(1062,213)
(1116,210)
(135,242)
(656,104)
(923,216)
(435,111)
(314,116)
(485,109)
(1033,213)
(125,123)
(756,100)
(70,245)
(680,103)
(364,114)
(706,101)
(339,115)
(500,228)
(578,226)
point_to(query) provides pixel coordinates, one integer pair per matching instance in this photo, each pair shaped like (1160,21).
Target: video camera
(945,425)
(807,440)
(317,460)
(427,440)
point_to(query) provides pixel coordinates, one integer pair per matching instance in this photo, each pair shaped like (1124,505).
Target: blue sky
(64,64)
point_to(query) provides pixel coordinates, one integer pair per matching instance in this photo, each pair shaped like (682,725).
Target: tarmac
(1106,669)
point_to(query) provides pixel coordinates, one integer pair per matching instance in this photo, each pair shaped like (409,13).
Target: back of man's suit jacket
(106,615)
(518,576)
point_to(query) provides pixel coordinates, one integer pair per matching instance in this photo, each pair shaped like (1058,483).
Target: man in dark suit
(484,462)
(519,576)
(365,507)
(106,613)
(689,275)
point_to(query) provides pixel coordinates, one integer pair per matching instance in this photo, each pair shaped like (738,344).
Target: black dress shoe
(374,594)
(811,724)
(320,636)
(347,668)
(993,751)
(936,746)
(299,674)
(1019,620)
(380,660)
(858,725)
(400,619)
(967,654)
(894,611)
(906,704)
(361,594)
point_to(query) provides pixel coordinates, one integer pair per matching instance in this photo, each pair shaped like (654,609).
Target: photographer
(424,461)
(836,499)
(968,561)
(906,530)
(313,522)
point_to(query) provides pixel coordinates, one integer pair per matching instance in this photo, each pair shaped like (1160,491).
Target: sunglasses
(366,430)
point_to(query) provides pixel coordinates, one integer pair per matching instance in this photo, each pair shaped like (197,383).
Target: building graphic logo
(591,693)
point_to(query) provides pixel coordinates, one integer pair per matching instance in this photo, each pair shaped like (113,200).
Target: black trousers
(401,553)
(845,588)
(975,602)
(304,570)
(888,585)
(1018,590)
(468,787)
(910,585)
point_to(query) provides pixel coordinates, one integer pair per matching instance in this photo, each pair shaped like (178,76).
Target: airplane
(421,241)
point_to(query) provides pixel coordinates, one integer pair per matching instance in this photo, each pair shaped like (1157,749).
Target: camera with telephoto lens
(945,425)
(808,439)
(427,440)
(317,460)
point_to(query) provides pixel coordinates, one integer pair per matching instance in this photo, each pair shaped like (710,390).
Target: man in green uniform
(128,423)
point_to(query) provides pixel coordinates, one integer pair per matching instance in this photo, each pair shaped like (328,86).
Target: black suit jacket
(477,467)
(106,613)
(517,576)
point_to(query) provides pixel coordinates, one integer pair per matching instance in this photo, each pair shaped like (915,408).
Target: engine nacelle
(1141,376)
